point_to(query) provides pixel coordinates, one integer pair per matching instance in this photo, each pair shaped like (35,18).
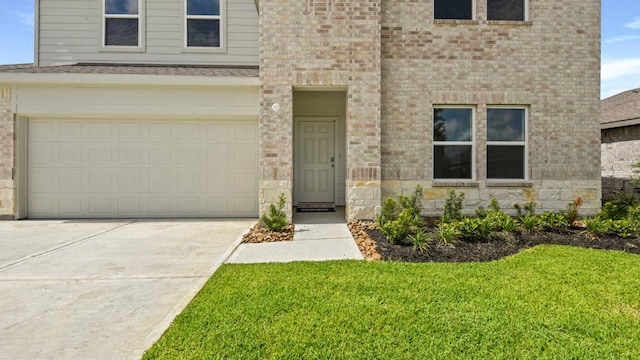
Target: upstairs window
(453,9)
(453,143)
(203,23)
(506,143)
(121,23)
(513,10)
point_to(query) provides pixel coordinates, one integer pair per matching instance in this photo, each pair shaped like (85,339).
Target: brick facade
(315,43)
(397,62)
(620,116)
(7,192)
(620,149)
(549,64)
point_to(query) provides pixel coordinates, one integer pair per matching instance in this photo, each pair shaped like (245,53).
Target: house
(620,117)
(164,108)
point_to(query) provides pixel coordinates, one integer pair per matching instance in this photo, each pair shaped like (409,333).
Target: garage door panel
(100,205)
(134,168)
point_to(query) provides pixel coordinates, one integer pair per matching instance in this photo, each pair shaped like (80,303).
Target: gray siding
(70,31)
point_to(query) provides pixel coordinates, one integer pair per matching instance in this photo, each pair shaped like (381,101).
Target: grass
(549,302)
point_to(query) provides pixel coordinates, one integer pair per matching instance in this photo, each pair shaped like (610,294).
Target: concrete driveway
(82,289)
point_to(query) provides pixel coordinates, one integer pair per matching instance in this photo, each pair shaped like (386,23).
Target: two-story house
(164,108)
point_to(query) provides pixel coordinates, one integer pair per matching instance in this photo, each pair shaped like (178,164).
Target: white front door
(315,161)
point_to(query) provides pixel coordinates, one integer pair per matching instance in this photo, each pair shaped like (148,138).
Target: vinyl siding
(70,31)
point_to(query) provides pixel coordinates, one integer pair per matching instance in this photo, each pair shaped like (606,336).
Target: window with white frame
(513,10)
(506,142)
(453,142)
(203,23)
(121,23)
(453,9)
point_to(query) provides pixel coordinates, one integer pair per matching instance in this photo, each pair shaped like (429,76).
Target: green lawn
(549,302)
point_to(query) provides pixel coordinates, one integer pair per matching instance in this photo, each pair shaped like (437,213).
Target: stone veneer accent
(7,135)
(329,44)
(549,64)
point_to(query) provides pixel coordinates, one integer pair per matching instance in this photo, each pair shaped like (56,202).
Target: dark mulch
(494,249)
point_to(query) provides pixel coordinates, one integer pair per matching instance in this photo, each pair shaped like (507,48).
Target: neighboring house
(620,117)
(162,108)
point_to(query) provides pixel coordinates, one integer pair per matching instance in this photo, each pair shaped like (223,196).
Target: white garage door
(142,168)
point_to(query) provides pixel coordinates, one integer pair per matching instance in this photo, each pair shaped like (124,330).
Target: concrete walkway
(318,236)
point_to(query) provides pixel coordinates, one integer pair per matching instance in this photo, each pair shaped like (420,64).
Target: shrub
(388,212)
(572,210)
(405,224)
(420,241)
(550,220)
(397,221)
(453,207)
(598,226)
(612,211)
(448,232)
(275,219)
(530,222)
(623,228)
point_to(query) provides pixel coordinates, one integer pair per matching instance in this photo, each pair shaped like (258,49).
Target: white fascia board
(13,79)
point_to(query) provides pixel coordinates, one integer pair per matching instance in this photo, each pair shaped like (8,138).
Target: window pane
(121,7)
(453,9)
(203,33)
(203,7)
(121,32)
(452,162)
(452,124)
(505,124)
(505,10)
(505,162)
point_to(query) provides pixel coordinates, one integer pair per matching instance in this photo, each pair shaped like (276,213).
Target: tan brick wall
(396,62)
(549,64)
(620,149)
(7,192)
(329,44)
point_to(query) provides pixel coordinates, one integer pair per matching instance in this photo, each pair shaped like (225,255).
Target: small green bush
(453,207)
(622,228)
(400,219)
(530,222)
(553,221)
(275,219)
(420,241)
(448,232)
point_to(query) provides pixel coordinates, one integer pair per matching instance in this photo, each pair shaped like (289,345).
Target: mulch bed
(375,246)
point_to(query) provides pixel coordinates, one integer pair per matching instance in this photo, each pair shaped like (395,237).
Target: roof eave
(620,123)
(13,79)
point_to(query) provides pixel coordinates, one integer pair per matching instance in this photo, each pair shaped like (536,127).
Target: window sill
(138,49)
(455,183)
(455,22)
(505,183)
(509,22)
(210,50)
